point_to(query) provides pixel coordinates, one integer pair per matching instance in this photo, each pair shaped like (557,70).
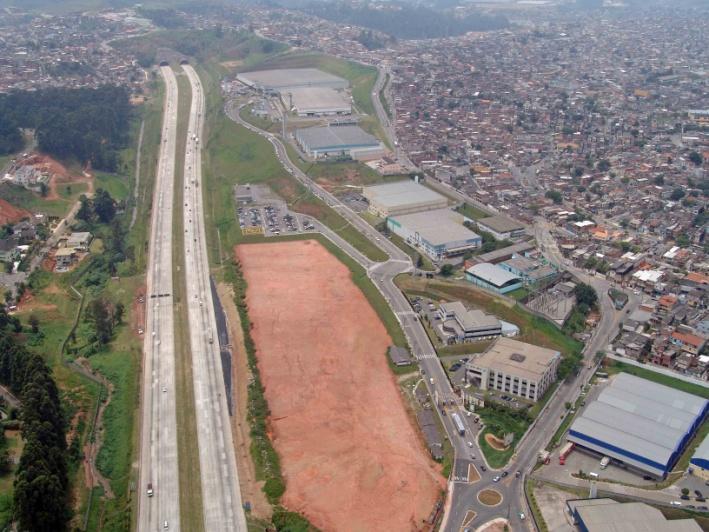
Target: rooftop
(335,136)
(607,515)
(518,358)
(437,227)
(492,274)
(501,223)
(289,77)
(403,193)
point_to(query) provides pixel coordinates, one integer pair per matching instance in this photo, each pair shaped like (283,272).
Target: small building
(79,241)
(339,141)
(399,356)
(515,368)
(458,324)
(438,233)
(402,197)
(530,271)
(492,277)
(607,515)
(64,258)
(502,227)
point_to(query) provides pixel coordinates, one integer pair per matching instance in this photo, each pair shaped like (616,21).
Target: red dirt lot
(350,455)
(10,214)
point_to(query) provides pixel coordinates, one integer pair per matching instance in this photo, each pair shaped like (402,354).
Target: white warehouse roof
(639,422)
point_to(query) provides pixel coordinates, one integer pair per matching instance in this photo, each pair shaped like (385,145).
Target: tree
(677,194)
(696,158)
(447,270)
(554,195)
(118,313)
(585,295)
(104,206)
(85,212)
(98,313)
(33,320)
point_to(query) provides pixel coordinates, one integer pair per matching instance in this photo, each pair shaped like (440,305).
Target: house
(64,258)
(8,250)
(79,241)
(688,342)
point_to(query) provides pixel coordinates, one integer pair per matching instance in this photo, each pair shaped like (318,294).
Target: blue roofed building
(493,278)
(642,424)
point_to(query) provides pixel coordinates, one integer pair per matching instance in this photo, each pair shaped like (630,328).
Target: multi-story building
(515,368)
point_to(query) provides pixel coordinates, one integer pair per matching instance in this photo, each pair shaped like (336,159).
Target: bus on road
(458,423)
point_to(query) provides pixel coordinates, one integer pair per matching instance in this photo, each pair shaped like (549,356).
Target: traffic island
(489,497)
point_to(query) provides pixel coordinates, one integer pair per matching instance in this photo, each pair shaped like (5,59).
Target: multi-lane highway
(221,498)
(160,505)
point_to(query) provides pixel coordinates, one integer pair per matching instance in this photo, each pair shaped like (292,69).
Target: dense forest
(90,125)
(41,482)
(406,21)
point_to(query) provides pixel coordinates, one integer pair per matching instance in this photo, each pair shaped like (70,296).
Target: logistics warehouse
(640,423)
(438,233)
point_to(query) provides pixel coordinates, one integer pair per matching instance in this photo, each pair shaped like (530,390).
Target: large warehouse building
(439,233)
(640,423)
(291,78)
(339,141)
(402,197)
(316,101)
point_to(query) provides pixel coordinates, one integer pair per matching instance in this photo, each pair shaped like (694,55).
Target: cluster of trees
(101,208)
(90,125)
(406,21)
(41,483)
(104,316)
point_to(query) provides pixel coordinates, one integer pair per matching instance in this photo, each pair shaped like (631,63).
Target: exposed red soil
(9,214)
(350,455)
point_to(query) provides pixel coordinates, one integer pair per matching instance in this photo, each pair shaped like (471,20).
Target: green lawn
(116,185)
(232,155)
(533,329)
(25,199)
(498,423)
(615,366)
(472,212)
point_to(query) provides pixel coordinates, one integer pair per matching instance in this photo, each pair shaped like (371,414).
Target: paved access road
(221,498)
(158,445)
(382,275)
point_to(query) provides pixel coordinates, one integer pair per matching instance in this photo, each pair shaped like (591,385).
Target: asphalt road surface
(158,445)
(463,496)
(221,498)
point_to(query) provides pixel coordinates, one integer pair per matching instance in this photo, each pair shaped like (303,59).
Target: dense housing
(514,367)
(402,197)
(640,423)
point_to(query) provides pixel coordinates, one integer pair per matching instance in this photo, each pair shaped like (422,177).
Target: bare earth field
(350,455)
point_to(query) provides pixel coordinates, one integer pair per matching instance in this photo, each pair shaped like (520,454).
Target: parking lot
(268,215)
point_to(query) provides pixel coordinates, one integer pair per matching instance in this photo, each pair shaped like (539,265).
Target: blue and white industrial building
(642,424)
(493,278)
(439,233)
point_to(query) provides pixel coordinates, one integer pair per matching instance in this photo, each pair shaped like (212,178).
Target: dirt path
(251,489)
(91,448)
